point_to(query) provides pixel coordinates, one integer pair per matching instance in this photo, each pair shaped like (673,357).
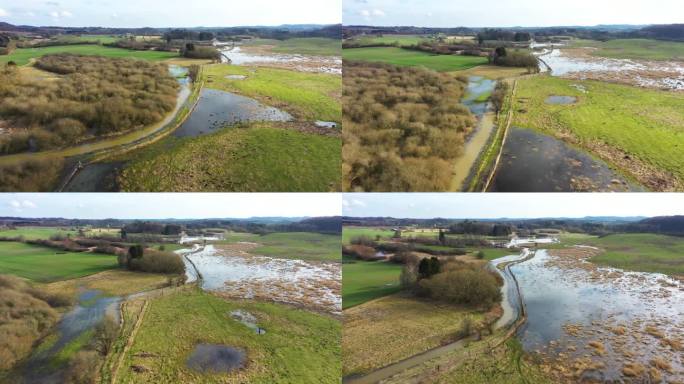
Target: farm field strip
(410,58)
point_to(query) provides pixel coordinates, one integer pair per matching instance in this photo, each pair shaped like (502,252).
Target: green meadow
(42,264)
(392,39)
(640,49)
(308,96)
(645,124)
(35,233)
(299,245)
(349,233)
(23,56)
(367,280)
(410,58)
(299,346)
(316,46)
(260,157)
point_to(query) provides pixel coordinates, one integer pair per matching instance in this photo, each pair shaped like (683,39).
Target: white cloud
(66,14)
(365,13)
(15,204)
(378,12)
(358,203)
(28,204)
(3,13)
(345,203)
(61,14)
(19,206)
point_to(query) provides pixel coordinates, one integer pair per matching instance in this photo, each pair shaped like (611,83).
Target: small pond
(561,100)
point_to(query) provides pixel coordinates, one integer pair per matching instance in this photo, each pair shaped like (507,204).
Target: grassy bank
(43,264)
(316,46)
(640,252)
(308,96)
(640,49)
(260,157)
(298,346)
(367,280)
(23,56)
(410,58)
(629,127)
(393,328)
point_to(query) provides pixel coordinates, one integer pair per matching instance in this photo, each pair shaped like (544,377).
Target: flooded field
(599,324)
(533,162)
(237,274)
(216,358)
(251,56)
(578,63)
(92,307)
(477,100)
(218,109)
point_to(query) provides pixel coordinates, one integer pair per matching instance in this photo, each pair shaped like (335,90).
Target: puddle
(248,320)
(236,275)
(478,88)
(218,109)
(326,124)
(599,318)
(533,162)
(215,358)
(236,77)
(561,100)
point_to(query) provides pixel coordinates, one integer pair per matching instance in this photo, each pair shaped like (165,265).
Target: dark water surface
(215,358)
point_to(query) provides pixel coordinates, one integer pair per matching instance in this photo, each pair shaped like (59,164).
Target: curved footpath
(514,317)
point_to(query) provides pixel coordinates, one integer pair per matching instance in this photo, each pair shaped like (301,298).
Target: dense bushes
(30,175)
(362,252)
(193,51)
(94,96)
(25,316)
(511,58)
(150,260)
(403,127)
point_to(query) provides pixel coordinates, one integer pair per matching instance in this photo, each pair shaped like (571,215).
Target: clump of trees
(513,58)
(194,51)
(95,96)
(26,314)
(403,127)
(139,258)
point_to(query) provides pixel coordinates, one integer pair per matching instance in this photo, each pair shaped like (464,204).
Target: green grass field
(258,158)
(36,233)
(401,40)
(308,96)
(45,265)
(102,39)
(299,245)
(409,58)
(646,124)
(299,346)
(367,280)
(316,46)
(23,56)
(349,233)
(640,252)
(643,49)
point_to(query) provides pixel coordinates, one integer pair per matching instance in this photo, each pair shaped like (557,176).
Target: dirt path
(421,358)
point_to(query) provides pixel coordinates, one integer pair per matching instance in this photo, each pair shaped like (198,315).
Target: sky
(511,205)
(168,205)
(510,13)
(169,13)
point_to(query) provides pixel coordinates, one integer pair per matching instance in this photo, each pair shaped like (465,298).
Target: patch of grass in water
(71,348)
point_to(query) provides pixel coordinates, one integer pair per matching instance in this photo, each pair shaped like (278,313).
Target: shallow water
(555,297)
(510,298)
(95,177)
(321,64)
(533,162)
(218,109)
(561,100)
(216,358)
(286,280)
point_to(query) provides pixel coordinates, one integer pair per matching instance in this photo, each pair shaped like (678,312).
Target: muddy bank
(218,109)
(533,162)
(587,322)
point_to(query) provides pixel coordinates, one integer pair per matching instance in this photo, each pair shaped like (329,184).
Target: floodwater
(533,162)
(567,308)
(321,64)
(510,296)
(476,141)
(241,275)
(88,313)
(218,109)
(95,177)
(247,319)
(215,358)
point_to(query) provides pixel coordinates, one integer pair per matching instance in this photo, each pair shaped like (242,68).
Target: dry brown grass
(113,282)
(395,327)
